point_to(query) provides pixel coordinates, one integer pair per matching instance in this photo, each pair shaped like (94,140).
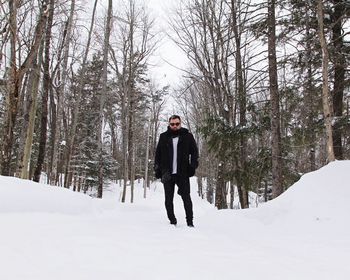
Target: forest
(266,92)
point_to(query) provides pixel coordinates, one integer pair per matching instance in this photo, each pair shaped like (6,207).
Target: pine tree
(86,158)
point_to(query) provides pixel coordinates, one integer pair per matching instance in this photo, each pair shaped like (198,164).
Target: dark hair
(173,117)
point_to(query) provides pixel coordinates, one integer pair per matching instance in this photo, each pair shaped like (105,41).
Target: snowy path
(70,236)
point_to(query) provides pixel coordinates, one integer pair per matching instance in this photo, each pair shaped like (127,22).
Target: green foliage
(86,160)
(225,141)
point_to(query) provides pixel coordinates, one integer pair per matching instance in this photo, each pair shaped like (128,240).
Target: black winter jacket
(187,155)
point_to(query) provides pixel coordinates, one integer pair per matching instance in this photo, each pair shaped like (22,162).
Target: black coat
(187,155)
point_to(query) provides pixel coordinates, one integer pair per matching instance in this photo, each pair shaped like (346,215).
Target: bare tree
(276,150)
(15,78)
(242,101)
(71,139)
(46,88)
(339,75)
(327,111)
(61,92)
(103,97)
(138,43)
(33,90)
(156,107)
(214,36)
(148,136)
(202,32)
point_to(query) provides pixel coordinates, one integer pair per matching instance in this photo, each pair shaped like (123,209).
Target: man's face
(175,124)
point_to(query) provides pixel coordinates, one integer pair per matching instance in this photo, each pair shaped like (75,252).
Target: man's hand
(158,173)
(166,177)
(191,171)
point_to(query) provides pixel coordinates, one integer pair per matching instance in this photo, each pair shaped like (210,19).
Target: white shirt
(175,141)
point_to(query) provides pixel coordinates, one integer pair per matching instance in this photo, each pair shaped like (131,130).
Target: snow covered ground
(50,233)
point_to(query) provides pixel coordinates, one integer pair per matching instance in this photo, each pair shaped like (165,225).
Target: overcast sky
(168,53)
(168,59)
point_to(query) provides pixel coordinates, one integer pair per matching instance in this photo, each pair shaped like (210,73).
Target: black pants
(184,191)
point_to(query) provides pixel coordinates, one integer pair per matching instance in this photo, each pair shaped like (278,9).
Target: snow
(54,233)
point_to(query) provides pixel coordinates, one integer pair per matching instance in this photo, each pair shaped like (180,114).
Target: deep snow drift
(50,233)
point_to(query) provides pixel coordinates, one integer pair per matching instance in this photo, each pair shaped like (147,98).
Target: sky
(168,59)
(54,233)
(171,58)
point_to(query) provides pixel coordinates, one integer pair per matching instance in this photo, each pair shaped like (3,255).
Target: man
(175,162)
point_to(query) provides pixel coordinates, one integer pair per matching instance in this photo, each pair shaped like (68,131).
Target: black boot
(190,223)
(173,222)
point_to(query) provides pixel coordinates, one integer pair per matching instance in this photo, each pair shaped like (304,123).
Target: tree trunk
(325,90)
(339,76)
(125,132)
(103,99)
(13,85)
(145,182)
(220,192)
(132,101)
(46,87)
(79,183)
(132,175)
(200,186)
(71,139)
(24,109)
(15,80)
(129,111)
(61,95)
(309,96)
(242,193)
(277,186)
(210,190)
(242,100)
(34,89)
(232,194)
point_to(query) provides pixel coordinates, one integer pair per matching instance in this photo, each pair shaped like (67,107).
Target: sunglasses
(174,124)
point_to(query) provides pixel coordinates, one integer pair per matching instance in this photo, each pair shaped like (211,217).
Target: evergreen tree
(86,158)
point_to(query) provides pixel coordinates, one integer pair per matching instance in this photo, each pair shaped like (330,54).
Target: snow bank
(322,195)
(303,234)
(318,204)
(17,195)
